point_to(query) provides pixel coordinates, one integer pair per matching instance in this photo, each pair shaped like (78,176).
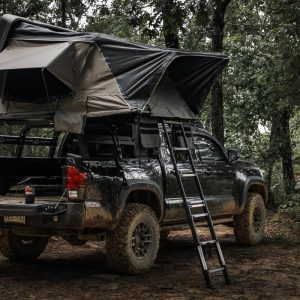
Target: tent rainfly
(47,71)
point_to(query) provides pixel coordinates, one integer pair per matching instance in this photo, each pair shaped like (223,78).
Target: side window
(70,146)
(101,141)
(164,148)
(208,149)
(100,146)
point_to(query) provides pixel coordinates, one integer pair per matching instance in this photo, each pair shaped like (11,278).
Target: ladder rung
(188,175)
(193,200)
(173,122)
(196,205)
(180,148)
(200,215)
(216,270)
(207,242)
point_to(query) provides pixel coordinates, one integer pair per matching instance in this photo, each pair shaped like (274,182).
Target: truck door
(216,175)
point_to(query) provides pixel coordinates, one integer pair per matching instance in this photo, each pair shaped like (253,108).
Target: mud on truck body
(90,161)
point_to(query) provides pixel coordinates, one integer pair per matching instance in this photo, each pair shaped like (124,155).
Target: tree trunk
(281,148)
(286,152)
(271,158)
(271,198)
(64,13)
(217,110)
(217,117)
(169,30)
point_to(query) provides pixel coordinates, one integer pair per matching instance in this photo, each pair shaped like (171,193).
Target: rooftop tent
(70,76)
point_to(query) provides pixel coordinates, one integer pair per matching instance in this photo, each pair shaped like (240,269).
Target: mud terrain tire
(132,247)
(16,247)
(250,224)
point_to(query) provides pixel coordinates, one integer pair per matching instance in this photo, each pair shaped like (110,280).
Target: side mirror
(232,155)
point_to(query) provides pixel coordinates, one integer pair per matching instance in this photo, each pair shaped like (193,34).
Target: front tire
(132,247)
(249,226)
(16,247)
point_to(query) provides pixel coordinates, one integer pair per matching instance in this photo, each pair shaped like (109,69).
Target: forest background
(254,106)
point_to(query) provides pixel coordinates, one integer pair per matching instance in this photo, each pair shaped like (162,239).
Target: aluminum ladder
(201,246)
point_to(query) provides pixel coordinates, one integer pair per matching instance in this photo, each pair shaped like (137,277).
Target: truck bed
(40,171)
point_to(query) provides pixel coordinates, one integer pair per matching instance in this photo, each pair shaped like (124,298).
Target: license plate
(15,219)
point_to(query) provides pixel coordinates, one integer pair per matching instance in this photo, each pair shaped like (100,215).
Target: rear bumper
(27,210)
(44,215)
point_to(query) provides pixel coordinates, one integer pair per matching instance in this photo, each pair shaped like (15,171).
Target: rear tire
(249,226)
(16,247)
(132,247)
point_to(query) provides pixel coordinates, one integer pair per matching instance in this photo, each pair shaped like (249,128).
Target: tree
(158,22)
(63,8)
(170,23)
(263,38)
(36,9)
(217,111)
(70,13)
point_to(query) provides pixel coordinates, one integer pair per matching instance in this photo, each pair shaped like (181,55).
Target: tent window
(28,85)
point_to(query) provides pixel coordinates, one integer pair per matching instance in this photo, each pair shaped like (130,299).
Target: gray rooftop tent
(51,72)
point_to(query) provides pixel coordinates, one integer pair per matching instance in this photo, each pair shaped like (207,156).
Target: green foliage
(277,184)
(8,150)
(110,20)
(28,151)
(70,12)
(146,21)
(263,46)
(37,9)
(295,133)
(291,205)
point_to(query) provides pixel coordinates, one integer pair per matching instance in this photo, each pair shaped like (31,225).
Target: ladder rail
(181,187)
(206,210)
(200,252)
(200,190)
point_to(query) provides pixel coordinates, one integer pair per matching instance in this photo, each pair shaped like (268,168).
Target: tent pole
(47,94)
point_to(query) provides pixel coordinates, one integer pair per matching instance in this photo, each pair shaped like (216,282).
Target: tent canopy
(46,70)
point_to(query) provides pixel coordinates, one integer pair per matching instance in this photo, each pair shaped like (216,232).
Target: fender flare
(250,181)
(144,185)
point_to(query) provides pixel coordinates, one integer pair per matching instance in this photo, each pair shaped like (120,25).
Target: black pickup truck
(116,182)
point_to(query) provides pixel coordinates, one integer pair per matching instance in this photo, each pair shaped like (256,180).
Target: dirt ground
(270,270)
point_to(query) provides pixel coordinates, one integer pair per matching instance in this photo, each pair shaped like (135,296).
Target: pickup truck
(116,183)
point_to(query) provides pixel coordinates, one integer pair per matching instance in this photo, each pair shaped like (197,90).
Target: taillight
(29,190)
(75,181)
